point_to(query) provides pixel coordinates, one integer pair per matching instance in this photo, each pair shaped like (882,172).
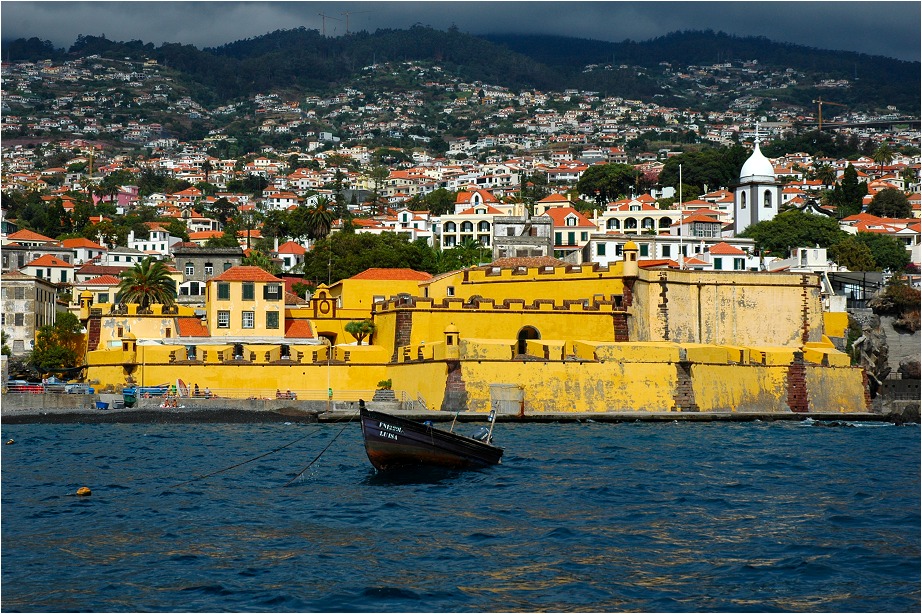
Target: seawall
(58,409)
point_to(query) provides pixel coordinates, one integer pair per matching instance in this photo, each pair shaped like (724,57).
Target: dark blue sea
(669,517)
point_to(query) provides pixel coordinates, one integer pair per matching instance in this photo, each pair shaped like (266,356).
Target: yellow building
(560,338)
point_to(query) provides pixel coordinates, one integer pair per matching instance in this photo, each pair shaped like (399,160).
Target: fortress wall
(833,389)
(726,308)
(723,387)
(428,325)
(424,379)
(572,386)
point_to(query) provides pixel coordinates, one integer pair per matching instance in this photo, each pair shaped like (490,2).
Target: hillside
(301,59)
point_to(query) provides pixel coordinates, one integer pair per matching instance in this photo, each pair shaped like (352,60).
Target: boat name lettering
(387,435)
(388,427)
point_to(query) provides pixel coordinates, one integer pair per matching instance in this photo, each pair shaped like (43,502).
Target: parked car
(22,386)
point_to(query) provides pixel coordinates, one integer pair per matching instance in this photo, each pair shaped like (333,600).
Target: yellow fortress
(544,337)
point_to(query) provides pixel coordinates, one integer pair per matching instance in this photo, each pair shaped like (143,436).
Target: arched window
(483,226)
(742,200)
(665,222)
(647,223)
(630,224)
(467,227)
(450,227)
(768,198)
(613,224)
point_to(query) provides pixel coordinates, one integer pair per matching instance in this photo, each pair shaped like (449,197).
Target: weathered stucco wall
(726,308)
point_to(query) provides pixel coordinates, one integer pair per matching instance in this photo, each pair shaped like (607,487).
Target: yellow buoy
(83,491)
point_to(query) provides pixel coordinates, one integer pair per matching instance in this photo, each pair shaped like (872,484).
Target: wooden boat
(392,442)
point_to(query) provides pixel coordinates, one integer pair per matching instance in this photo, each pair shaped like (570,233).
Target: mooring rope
(208,475)
(316,458)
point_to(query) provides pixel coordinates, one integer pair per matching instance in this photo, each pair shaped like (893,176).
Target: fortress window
(224,319)
(248,291)
(272,319)
(450,291)
(600,249)
(248,319)
(223,291)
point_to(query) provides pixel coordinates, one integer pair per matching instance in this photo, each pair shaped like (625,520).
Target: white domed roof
(757,168)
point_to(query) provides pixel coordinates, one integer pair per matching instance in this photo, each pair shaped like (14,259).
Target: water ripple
(579,517)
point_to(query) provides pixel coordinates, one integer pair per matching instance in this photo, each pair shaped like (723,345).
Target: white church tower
(757,196)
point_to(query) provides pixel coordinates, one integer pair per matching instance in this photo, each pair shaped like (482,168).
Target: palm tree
(320,219)
(883,155)
(149,282)
(825,173)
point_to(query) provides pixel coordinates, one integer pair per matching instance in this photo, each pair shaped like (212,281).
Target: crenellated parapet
(596,304)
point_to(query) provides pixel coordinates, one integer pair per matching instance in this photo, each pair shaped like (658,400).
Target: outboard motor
(482,434)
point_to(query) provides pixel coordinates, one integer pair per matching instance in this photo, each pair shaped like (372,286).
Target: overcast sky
(880,28)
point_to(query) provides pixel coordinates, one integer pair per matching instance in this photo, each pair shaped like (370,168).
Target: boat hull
(392,442)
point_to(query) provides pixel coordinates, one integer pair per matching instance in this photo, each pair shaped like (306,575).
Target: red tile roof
(81,242)
(28,235)
(290,247)
(245,273)
(102,280)
(298,329)
(49,260)
(725,249)
(559,216)
(392,275)
(191,327)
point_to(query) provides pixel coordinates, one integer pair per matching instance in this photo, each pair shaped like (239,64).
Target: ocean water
(674,517)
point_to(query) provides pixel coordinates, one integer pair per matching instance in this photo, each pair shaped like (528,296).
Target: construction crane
(323,21)
(820,102)
(347,13)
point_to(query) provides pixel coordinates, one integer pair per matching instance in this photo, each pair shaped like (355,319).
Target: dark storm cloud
(879,28)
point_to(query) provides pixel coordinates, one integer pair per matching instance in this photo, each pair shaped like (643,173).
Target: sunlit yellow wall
(236,305)
(359,294)
(726,307)
(575,386)
(836,323)
(722,387)
(835,389)
(584,282)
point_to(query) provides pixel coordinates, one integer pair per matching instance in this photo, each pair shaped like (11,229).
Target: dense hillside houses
(508,187)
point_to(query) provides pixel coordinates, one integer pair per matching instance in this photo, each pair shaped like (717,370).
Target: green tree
(147,283)
(883,155)
(607,182)
(360,329)
(319,219)
(794,228)
(853,254)
(4,348)
(889,253)
(262,260)
(890,203)
(228,239)
(57,345)
(848,194)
